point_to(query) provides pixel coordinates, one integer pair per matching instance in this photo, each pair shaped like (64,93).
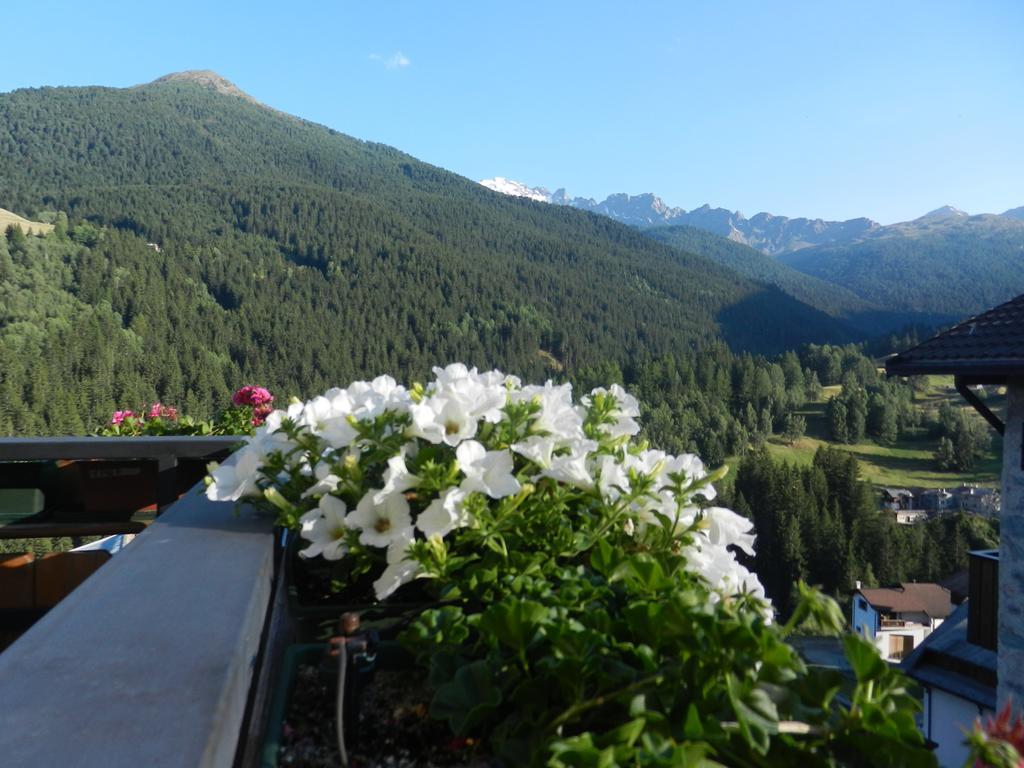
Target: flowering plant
(250,406)
(590,606)
(402,480)
(999,743)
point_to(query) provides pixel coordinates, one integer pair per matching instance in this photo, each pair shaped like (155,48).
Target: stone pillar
(1011,554)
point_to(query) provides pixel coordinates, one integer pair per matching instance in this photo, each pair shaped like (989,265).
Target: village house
(978,501)
(898,619)
(897,498)
(909,516)
(935,500)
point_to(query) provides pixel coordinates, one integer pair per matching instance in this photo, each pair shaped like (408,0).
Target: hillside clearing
(28,227)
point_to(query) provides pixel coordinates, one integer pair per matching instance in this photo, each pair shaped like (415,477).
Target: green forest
(211,241)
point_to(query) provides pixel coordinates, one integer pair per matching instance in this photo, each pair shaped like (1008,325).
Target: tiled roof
(912,598)
(946,660)
(991,344)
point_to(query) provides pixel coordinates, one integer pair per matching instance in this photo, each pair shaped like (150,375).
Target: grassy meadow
(28,227)
(908,462)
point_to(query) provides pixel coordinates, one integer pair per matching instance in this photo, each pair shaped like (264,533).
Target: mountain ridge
(767,232)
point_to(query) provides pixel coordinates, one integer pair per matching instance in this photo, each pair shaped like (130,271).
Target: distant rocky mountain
(767,233)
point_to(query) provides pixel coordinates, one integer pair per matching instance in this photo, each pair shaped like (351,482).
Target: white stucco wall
(1011,553)
(947,718)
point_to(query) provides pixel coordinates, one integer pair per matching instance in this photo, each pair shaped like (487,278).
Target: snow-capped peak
(945,212)
(517,189)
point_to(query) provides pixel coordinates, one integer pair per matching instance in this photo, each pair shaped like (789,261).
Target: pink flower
(254,396)
(120,416)
(160,411)
(260,413)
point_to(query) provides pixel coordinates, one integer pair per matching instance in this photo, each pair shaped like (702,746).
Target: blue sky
(881,109)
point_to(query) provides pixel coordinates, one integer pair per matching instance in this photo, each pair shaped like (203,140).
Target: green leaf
(642,571)
(514,622)
(468,698)
(756,714)
(603,557)
(626,734)
(863,657)
(693,728)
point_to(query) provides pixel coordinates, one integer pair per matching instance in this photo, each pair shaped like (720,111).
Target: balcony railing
(157,658)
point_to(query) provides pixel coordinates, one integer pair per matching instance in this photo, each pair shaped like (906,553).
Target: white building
(910,516)
(898,619)
(980,501)
(956,666)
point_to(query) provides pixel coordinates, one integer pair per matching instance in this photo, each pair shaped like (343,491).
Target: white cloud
(396,60)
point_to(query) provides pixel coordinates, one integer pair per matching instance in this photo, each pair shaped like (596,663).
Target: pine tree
(838,425)
(6,264)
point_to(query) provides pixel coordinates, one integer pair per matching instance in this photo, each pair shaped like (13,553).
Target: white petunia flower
(537,449)
(370,399)
(625,413)
(326,481)
(721,570)
(572,468)
(444,514)
(400,569)
(397,477)
(488,472)
(724,527)
(612,478)
(665,504)
(439,420)
(379,519)
(325,529)
(238,478)
(456,406)
(558,417)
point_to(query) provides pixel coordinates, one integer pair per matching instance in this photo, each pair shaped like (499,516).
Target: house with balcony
(898,619)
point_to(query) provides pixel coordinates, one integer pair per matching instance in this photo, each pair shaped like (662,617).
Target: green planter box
(294,657)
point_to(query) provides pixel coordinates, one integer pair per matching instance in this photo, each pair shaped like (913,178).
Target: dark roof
(947,661)
(912,598)
(990,345)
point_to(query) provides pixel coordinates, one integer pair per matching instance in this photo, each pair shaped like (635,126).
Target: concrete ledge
(149,662)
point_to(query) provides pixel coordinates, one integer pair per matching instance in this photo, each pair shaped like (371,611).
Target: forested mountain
(944,261)
(284,253)
(865,317)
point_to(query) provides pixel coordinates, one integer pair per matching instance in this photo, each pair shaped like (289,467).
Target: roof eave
(979,371)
